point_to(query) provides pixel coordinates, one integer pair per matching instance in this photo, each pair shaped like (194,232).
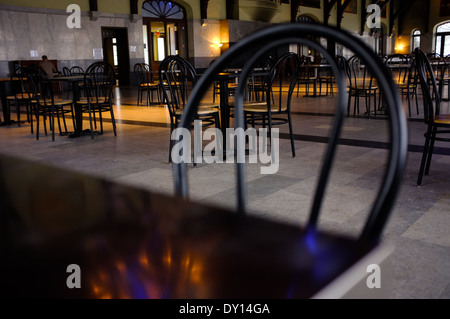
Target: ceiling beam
(328,5)
(93,5)
(340,12)
(295,4)
(204,9)
(134,6)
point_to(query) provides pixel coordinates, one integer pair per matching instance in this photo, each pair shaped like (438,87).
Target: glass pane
(446,45)
(416,42)
(116,60)
(162,9)
(172,39)
(158,40)
(438,44)
(443,28)
(160,50)
(145,40)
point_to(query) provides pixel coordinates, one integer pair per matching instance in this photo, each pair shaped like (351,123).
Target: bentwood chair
(438,124)
(257,83)
(276,110)
(404,74)
(99,81)
(145,83)
(410,88)
(325,76)
(362,85)
(46,104)
(177,78)
(316,261)
(306,75)
(21,97)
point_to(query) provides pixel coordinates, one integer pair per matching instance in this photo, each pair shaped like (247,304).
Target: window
(415,40)
(442,46)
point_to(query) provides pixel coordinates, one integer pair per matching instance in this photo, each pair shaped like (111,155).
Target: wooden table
(132,243)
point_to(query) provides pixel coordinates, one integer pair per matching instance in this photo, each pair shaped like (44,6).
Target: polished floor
(419,225)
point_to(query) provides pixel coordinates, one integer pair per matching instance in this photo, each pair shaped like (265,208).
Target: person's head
(44,57)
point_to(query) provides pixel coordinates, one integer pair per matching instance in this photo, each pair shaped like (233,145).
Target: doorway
(115,52)
(164,31)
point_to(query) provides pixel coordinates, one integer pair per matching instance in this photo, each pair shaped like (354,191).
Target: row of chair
(38,96)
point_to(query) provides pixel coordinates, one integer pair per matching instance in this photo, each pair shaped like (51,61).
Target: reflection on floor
(419,224)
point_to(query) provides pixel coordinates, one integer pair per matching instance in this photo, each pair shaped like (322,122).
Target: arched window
(415,41)
(443,39)
(162,10)
(164,30)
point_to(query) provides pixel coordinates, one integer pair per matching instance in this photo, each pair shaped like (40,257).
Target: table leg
(224,110)
(78,114)
(5,108)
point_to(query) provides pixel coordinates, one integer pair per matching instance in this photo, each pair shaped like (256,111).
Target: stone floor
(419,224)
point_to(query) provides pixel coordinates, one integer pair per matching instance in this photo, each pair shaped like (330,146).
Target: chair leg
(409,102)
(18,112)
(291,134)
(430,151)
(417,102)
(90,119)
(424,156)
(113,120)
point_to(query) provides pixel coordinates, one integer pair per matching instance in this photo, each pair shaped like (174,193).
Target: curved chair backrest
(40,85)
(66,71)
(177,76)
(285,70)
(360,75)
(142,71)
(76,70)
(297,33)
(99,80)
(397,63)
(426,76)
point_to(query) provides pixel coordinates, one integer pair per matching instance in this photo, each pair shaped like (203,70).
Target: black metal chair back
(285,71)
(66,71)
(284,34)
(399,66)
(76,70)
(429,86)
(177,77)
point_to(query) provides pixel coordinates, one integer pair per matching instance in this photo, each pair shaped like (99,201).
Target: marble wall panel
(47,32)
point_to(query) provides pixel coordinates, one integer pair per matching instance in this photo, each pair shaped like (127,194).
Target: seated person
(48,67)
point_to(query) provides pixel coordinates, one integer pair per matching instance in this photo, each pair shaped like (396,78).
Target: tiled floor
(419,225)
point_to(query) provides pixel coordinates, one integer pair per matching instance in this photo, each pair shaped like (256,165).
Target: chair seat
(149,84)
(260,107)
(249,104)
(442,119)
(208,105)
(101,99)
(201,111)
(20,96)
(57,102)
(362,88)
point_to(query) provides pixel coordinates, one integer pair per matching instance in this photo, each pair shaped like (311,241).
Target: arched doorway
(304,50)
(164,30)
